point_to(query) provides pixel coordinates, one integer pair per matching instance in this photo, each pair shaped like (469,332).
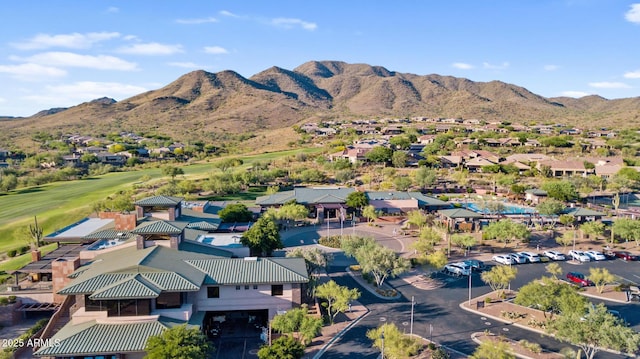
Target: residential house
(535,195)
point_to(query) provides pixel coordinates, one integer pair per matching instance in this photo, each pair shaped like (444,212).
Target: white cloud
(633,74)
(152,48)
(75,93)
(462,66)
(551,67)
(216,50)
(576,94)
(489,66)
(3,100)
(609,85)
(72,41)
(229,14)
(32,72)
(633,15)
(197,21)
(113,10)
(186,65)
(289,23)
(69,59)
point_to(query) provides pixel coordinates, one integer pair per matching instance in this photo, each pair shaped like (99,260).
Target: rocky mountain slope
(200,103)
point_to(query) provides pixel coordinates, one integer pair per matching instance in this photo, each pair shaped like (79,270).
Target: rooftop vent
(254,259)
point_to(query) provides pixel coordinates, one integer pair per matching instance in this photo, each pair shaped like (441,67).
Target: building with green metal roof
(131,293)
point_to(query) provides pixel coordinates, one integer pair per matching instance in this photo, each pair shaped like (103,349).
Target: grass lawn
(59,204)
(22,260)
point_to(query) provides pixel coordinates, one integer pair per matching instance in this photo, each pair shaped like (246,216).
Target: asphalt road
(437,314)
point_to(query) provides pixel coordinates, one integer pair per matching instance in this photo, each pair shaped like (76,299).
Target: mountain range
(202,104)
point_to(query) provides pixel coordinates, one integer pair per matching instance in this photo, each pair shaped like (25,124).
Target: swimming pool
(508,209)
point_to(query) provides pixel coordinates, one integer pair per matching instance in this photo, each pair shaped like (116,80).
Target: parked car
(579,256)
(503,259)
(476,265)
(517,258)
(579,278)
(625,256)
(595,255)
(530,257)
(554,255)
(459,268)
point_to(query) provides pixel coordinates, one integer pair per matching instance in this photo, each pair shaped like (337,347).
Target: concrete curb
(340,334)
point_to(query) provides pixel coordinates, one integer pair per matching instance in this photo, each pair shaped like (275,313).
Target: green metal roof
(204,226)
(304,195)
(582,212)
(459,213)
(160,227)
(90,338)
(131,287)
(252,270)
(165,268)
(159,201)
(109,234)
(197,247)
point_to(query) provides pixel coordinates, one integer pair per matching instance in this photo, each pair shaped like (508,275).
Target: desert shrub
(331,241)
(12,253)
(533,347)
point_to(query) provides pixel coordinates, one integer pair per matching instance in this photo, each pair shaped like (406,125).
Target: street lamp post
(411,326)
(470,288)
(382,337)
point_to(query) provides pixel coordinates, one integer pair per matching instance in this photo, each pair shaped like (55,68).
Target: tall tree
(263,237)
(298,320)
(172,171)
(596,330)
(381,262)
(600,277)
(562,190)
(395,344)
(505,230)
(379,154)
(178,342)
(550,208)
(425,177)
(357,200)
(235,212)
(282,348)
(499,277)
(370,213)
(337,297)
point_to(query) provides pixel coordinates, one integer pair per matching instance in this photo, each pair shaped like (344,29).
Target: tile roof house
(128,293)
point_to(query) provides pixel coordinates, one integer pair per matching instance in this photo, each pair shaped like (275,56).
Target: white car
(518,258)
(458,268)
(503,259)
(579,256)
(554,255)
(530,257)
(595,255)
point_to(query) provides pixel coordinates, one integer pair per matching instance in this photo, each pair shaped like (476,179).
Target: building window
(277,289)
(237,287)
(213,292)
(168,300)
(246,287)
(255,286)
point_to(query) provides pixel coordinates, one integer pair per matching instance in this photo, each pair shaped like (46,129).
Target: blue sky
(62,53)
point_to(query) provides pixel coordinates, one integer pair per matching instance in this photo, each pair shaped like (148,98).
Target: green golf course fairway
(62,203)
